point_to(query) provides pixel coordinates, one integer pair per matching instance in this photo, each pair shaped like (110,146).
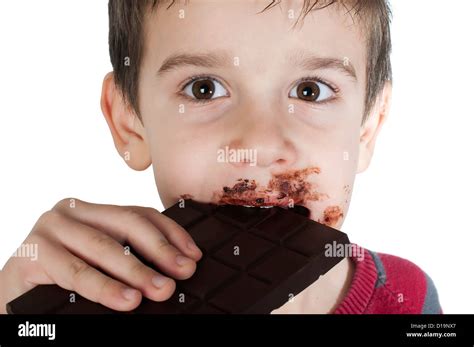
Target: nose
(263,134)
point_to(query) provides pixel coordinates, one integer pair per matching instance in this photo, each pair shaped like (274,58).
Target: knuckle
(134,215)
(137,269)
(163,243)
(64,203)
(103,242)
(136,218)
(48,218)
(141,210)
(104,289)
(77,270)
(151,210)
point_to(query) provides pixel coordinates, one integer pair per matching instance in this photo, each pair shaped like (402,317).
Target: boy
(298,98)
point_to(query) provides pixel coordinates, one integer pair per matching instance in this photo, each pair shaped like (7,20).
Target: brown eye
(204,89)
(312,91)
(308,91)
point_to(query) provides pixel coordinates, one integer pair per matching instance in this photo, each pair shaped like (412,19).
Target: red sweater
(386,284)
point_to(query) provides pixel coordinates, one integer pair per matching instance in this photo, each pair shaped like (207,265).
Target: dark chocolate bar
(254,260)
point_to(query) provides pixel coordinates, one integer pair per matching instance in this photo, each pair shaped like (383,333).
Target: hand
(81,248)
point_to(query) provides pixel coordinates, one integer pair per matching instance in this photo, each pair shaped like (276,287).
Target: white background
(414,201)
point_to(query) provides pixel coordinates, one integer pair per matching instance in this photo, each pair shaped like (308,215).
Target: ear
(372,126)
(127,130)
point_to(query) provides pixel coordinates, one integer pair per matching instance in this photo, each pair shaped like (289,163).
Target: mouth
(245,194)
(299,209)
(286,190)
(264,203)
(252,199)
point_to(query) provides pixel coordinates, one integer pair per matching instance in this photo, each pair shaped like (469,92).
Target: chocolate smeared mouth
(288,190)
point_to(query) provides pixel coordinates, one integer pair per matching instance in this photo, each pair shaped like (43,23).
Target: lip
(287,190)
(264,200)
(297,208)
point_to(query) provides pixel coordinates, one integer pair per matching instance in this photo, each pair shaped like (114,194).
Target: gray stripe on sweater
(381,275)
(431,304)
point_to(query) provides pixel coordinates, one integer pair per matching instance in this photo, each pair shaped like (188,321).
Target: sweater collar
(362,287)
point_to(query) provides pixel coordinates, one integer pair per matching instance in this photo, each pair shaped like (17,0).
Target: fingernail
(129,293)
(159,281)
(182,260)
(192,246)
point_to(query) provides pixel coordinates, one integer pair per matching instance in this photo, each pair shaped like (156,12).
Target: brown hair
(126,41)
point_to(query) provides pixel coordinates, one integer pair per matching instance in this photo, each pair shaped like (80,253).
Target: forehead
(262,41)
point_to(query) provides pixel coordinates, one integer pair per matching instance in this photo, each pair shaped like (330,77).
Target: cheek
(338,162)
(177,175)
(332,210)
(172,184)
(184,166)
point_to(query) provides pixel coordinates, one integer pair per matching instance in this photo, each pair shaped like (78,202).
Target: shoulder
(402,287)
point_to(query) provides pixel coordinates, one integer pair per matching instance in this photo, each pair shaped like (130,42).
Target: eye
(203,89)
(313,91)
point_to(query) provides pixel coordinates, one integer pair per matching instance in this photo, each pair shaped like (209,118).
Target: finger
(174,232)
(100,250)
(73,273)
(127,225)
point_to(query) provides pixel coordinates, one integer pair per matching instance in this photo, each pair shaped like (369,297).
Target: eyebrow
(302,59)
(308,61)
(207,59)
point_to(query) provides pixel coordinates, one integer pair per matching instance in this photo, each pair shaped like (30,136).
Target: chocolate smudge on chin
(332,215)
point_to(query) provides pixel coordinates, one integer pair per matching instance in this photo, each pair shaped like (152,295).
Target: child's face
(300,149)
